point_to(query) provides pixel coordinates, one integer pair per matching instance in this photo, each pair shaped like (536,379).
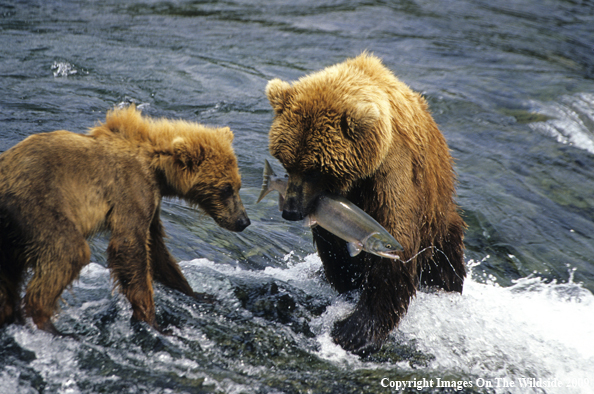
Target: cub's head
(205,173)
(330,130)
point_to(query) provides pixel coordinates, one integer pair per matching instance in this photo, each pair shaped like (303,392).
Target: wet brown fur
(57,189)
(356,130)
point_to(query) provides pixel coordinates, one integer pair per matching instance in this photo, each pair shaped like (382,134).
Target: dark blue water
(511,84)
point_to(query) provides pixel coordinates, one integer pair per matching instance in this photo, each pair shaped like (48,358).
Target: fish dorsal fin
(353,249)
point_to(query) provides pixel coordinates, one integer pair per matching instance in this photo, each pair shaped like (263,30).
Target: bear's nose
(242,223)
(292,209)
(291,214)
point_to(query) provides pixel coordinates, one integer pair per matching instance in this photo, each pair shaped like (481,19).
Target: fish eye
(388,246)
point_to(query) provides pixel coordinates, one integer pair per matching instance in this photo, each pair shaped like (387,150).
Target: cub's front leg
(165,268)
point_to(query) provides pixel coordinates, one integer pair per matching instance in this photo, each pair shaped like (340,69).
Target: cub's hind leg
(11,272)
(56,264)
(11,275)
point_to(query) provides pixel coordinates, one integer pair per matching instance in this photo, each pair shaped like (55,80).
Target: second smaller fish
(340,217)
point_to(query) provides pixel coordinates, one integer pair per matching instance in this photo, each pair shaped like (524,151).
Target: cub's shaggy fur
(57,189)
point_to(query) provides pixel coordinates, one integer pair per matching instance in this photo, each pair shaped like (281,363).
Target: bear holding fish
(355,131)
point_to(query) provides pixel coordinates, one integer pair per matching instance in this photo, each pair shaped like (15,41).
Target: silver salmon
(340,217)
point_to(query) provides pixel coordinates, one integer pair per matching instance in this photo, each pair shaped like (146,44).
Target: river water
(511,84)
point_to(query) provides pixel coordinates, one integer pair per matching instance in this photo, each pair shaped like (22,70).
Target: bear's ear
(227,133)
(358,121)
(188,156)
(278,93)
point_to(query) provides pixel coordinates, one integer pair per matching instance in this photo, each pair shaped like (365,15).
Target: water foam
(529,330)
(532,329)
(490,333)
(63,69)
(493,335)
(572,120)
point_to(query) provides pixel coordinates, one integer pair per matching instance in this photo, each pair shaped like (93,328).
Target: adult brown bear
(355,130)
(57,189)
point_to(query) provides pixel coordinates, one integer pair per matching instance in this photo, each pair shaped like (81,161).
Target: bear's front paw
(358,334)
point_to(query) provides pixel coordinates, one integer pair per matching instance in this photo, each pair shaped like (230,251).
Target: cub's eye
(226,192)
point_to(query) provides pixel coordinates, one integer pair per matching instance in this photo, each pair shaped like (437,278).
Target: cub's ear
(227,133)
(188,155)
(278,93)
(356,122)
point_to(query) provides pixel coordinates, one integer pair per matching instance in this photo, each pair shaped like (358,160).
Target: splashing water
(489,335)
(573,120)
(529,330)
(63,69)
(493,335)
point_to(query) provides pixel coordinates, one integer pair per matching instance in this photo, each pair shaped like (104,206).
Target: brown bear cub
(57,189)
(355,130)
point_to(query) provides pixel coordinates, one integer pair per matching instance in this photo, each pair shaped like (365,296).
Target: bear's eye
(344,124)
(226,192)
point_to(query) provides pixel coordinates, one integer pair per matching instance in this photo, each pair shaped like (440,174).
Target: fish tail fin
(268,172)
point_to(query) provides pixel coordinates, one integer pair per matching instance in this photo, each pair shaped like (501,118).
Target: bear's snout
(293,207)
(291,212)
(236,223)
(242,222)
(300,197)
